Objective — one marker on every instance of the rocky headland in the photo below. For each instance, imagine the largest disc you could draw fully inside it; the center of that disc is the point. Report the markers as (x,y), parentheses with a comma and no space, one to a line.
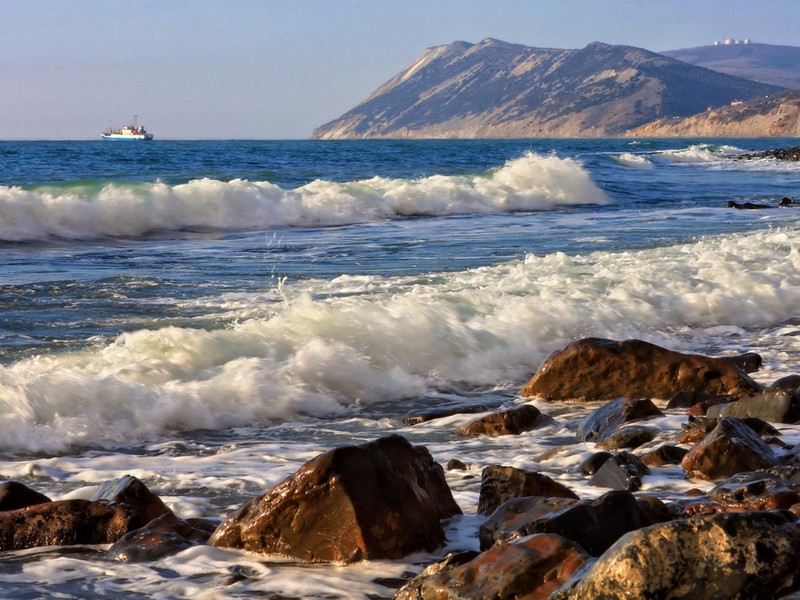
(387,498)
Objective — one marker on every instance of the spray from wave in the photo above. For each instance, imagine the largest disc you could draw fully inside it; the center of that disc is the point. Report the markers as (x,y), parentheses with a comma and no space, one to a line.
(531,182)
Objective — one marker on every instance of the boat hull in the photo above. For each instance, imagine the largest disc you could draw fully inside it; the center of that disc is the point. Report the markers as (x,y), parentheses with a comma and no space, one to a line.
(126,138)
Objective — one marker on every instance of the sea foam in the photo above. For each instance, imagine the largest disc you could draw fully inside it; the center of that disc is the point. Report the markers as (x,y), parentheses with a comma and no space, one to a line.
(530,182)
(324,353)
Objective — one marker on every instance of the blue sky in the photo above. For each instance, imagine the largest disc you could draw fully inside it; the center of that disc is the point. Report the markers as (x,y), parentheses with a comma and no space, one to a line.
(264,69)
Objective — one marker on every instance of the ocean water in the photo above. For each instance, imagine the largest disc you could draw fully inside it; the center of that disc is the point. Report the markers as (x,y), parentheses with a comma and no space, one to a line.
(207,316)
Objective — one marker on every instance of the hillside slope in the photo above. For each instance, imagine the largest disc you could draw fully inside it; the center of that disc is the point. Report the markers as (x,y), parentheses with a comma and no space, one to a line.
(496,89)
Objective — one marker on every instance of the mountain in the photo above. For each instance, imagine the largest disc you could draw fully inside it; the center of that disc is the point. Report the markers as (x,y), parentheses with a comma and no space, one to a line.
(778,65)
(777,115)
(497,89)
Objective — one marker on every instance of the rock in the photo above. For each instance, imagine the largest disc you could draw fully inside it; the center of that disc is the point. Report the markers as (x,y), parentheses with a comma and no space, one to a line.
(423,415)
(532,569)
(790,382)
(691,398)
(14,495)
(628,437)
(732,447)
(592,464)
(455,465)
(747,205)
(499,484)
(66,522)
(508,422)
(695,429)
(749,362)
(514,514)
(604,421)
(622,471)
(748,555)
(775,406)
(595,369)
(131,491)
(598,524)
(664,455)
(757,490)
(383,499)
(413,589)
(163,536)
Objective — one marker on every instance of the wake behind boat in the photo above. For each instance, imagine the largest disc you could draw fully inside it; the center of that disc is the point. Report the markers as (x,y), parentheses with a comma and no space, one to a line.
(133,132)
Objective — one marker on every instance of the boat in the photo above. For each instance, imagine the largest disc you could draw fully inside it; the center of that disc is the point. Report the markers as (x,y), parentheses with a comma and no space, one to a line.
(133,132)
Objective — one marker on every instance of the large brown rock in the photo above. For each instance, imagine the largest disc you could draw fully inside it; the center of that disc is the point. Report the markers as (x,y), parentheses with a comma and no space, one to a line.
(745,555)
(66,522)
(531,569)
(595,369)
(131,491)
(731,447)
(383,499)
(499,483)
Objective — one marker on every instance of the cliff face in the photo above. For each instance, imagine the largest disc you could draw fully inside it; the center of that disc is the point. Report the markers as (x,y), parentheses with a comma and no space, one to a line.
(496,89)
(775,116)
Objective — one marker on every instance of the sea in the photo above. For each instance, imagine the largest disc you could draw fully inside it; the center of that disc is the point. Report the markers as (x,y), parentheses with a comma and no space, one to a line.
(207,316)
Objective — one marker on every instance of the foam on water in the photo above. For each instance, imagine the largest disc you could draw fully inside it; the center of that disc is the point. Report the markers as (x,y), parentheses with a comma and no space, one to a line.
(634,161)
(71,211)
(335,346)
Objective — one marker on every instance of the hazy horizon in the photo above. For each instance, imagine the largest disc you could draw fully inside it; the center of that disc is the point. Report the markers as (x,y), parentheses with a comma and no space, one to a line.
(200,69)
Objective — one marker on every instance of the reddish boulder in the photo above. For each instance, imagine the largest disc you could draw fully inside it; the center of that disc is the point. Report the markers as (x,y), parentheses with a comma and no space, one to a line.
(14,495)
(597,369)
(508,422)
(499,484)
(531,569)
(514,514)
(66,522)
(732,447)
(131,491)
(383,499)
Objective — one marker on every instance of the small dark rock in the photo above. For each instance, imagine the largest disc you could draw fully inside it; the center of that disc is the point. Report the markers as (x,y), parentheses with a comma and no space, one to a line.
(623,471)
(604,421)
(628,437)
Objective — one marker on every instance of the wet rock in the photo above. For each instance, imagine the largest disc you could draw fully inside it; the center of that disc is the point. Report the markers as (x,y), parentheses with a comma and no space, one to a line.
(598,524)
(695,429)
(749,362)
(622,471)
(14,495)
(508,422)
(747,205)
(66,522)
(731,447)
(383,499)
(161,537)
(131,491)
(455,465)
(531,569)
(628,437)
(759,490)
(423,415)
(413,589)
(775,406)
(499,484)
(690,399)
(664,455)
(746,555)
(597,369)
(790,382)
(590,465)
(604,421)
(515,514)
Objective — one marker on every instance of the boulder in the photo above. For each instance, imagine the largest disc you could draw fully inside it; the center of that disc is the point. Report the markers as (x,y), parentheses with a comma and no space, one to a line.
(66,522)
(628,437)
(131,491)
(14,495)
(508,422)
(604,421)
(746,555)
(749,362)
(499,484)
(758,490)
(595,369)
(515,514)
(530,569)
(163,536)
(598,524)
(790,382)
(623,471)
(732,447)
(382,499)
(666,454)
(413,589)
(591,464)
(774,406)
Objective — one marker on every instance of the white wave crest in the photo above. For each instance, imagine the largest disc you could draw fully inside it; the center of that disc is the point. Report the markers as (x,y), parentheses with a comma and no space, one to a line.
(634,161)
(327,353)
(700,153)
(531,182)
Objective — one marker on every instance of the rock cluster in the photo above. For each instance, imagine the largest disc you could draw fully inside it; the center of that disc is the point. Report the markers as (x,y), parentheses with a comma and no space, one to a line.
(387,499)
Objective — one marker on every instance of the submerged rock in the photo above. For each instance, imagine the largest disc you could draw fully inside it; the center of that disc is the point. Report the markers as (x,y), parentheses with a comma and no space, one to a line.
(383,499)
(595,369)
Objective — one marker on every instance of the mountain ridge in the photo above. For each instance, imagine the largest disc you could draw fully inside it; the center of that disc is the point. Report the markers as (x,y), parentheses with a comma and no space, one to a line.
(498,89)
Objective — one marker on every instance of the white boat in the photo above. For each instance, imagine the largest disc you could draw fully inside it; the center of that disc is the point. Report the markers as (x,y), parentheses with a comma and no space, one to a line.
(133,132)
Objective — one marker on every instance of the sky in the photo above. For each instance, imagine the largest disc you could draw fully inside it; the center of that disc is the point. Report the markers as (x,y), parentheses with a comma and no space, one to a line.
(276,69)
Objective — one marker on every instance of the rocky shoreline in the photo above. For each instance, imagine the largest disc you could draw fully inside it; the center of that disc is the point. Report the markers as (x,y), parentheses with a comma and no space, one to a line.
(387,498)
